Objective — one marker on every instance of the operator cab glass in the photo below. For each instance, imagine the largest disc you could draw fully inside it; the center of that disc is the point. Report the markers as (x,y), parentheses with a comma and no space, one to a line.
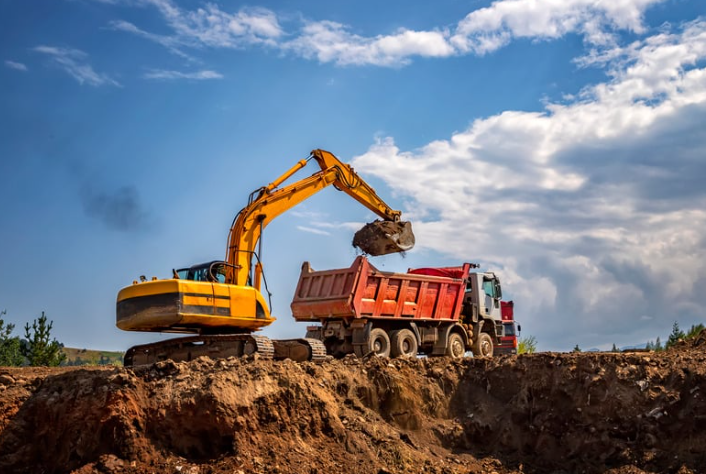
(211,271)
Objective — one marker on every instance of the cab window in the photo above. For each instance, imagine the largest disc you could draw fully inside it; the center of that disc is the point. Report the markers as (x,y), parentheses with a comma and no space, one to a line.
(200,274)
(219,273)
(489,288)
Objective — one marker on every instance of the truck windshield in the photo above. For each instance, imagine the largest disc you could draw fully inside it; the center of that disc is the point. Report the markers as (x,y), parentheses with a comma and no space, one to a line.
(509,329)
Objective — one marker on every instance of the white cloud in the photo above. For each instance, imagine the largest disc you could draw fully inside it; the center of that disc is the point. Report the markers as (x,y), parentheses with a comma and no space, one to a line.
(313,230)
(480,32)
(209,26)
(173,75)
(15,65)
(72,61)
(488,29)
(328,41)
(171,43)
(595,208)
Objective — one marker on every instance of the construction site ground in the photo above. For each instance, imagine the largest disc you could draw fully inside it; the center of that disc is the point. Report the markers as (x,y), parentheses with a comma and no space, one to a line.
(541,413)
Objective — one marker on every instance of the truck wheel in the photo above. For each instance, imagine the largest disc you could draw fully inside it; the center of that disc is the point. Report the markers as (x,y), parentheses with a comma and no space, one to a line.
(379,342)
(455,346)
(483,347)
(403,343)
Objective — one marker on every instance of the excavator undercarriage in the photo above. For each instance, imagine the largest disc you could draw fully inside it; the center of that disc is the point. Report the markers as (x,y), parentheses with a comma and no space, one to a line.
(220,346)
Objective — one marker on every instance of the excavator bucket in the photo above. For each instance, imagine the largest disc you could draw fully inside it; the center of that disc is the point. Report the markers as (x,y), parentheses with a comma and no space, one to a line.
(384,237)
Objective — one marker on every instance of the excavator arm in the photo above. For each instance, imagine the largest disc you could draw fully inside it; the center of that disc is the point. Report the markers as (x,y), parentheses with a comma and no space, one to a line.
(268,202)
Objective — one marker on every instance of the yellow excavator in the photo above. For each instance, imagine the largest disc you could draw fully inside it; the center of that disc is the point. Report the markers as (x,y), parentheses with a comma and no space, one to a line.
(221,301)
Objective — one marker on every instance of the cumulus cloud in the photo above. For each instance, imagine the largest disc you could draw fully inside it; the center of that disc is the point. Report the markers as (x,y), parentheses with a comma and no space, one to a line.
(16,66)
(595,209)
(73,62)
(173,75)
(488,29)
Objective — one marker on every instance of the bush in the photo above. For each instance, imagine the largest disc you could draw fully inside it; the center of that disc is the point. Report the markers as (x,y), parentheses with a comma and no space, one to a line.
(527,345)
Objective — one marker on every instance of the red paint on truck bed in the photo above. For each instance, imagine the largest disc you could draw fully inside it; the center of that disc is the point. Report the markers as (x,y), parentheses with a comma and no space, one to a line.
(363,291)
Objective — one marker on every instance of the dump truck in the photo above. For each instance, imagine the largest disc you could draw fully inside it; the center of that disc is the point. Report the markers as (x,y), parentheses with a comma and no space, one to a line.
(434,311)
(221,302)
(508,341)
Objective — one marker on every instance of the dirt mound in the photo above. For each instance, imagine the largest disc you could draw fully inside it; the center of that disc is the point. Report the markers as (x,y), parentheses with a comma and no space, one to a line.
(384,237)
(618,413)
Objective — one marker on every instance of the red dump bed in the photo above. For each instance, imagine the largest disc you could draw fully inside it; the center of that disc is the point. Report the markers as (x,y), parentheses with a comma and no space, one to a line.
(362,291)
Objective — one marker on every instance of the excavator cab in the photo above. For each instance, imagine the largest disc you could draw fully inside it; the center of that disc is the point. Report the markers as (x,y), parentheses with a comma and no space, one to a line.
(214,271)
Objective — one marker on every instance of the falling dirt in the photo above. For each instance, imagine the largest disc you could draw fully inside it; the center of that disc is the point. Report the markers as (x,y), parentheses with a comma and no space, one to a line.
(384,237)
(541,413)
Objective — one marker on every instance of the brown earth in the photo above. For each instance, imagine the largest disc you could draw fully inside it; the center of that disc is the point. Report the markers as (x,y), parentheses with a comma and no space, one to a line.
(547,412)
(384,237)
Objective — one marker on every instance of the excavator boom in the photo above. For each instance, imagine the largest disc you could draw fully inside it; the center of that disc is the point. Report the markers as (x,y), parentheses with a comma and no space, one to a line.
(271,201)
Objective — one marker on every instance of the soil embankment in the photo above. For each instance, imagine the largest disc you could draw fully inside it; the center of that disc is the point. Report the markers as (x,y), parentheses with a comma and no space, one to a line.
(548,412)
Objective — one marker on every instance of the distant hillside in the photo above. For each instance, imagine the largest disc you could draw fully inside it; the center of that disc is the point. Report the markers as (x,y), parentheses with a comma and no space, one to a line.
(92,357)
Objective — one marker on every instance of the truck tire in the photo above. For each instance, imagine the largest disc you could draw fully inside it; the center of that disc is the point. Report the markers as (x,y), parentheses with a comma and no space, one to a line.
(483,346)
(379,342)
(403,343)
(455,347)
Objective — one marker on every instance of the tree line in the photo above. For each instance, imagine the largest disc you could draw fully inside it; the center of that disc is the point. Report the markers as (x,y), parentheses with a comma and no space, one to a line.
(37,348)
(528,345)
(675,336)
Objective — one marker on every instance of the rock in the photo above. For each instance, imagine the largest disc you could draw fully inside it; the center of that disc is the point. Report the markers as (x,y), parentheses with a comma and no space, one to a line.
(6,379)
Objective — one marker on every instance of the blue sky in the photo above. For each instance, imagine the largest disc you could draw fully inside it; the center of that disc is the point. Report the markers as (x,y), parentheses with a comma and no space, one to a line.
(559,144)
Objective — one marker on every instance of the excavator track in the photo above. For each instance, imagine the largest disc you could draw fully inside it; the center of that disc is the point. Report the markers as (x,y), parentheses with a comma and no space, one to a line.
(191,347)
(318,350)
(300,350)
(228,345)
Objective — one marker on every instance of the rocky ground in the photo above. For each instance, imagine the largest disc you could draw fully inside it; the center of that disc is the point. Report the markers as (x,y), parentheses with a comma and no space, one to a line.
(547,412)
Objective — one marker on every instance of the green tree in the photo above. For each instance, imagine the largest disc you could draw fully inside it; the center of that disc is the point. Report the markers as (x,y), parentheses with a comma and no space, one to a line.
(10,354)
(615,348)
(576,348)
(694,330)
(674,336)
(39,349)
(527,345)
(658,345)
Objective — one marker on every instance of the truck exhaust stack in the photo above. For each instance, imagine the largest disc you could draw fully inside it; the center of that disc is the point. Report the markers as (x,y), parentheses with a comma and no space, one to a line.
(384,237)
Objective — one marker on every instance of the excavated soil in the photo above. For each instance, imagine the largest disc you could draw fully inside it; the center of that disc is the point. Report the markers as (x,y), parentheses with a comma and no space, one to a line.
(548,412)
(384,237)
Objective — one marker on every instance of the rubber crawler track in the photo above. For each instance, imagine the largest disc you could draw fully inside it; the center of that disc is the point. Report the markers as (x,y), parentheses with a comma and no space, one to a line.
(215,346)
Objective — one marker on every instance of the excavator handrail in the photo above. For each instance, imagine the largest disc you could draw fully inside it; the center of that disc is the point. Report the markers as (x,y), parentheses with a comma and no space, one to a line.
(268,202)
